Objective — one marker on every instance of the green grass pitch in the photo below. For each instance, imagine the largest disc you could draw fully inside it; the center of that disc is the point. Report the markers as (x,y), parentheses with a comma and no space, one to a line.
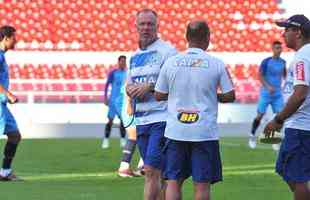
(78,169)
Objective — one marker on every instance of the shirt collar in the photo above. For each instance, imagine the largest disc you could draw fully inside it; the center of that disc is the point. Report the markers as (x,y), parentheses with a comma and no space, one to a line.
(195,50)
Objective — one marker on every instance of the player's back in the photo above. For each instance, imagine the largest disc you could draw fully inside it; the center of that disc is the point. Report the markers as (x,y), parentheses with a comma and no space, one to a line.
(193,79)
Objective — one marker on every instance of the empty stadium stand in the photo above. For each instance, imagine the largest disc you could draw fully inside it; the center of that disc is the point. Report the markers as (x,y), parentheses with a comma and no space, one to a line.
(58,83)
(106,25)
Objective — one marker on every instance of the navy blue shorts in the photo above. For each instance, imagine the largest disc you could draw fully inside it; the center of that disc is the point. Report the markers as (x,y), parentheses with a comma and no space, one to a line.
(201,160)
(150,141)
(293,162)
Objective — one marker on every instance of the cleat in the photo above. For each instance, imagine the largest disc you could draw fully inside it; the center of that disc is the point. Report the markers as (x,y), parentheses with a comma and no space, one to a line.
(126,173)
(105,144)
(10,177)
(252,142)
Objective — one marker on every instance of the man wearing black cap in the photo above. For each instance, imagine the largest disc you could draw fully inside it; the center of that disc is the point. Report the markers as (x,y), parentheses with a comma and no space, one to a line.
(293,162)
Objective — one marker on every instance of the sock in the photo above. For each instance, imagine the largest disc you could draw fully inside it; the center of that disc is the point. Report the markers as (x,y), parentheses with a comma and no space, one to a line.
(140,164)
(255,125)
(128,151)
(124,165)
(9,153)
(122,130)
(108,130)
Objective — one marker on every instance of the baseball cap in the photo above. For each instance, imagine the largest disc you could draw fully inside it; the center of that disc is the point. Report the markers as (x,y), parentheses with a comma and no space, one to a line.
(294,21)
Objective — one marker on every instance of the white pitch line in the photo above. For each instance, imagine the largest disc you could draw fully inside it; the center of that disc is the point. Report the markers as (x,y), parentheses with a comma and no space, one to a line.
(242,170)
(66,175)
(241,145)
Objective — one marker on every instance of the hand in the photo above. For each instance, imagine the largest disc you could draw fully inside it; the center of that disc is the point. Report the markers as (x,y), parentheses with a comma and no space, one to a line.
(11,98)
(138,90)
(271,89)
(271,128)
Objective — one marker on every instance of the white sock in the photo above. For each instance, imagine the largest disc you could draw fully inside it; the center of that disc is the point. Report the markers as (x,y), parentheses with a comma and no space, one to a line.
(124,165)
(5,172)
(140,164)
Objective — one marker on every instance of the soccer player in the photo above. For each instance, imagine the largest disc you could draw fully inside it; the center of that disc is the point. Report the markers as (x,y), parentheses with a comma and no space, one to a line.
(190,81)
(7,121)
(293,162)
(150,115)
(116,79)
(271,72)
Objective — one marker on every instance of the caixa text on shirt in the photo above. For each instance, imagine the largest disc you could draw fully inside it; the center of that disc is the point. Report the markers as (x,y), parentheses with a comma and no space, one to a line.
(150,78)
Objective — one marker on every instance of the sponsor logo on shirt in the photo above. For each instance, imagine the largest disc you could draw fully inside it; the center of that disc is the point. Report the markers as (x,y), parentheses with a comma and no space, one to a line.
(300,71)
(191,62)
(187,117)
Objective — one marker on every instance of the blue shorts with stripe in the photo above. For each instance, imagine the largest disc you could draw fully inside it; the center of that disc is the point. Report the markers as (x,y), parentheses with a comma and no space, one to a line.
(201,160)
(293,162)
(150,141)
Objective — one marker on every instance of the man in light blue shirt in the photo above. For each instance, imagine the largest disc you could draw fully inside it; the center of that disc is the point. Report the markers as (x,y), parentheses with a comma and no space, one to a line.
(190,82)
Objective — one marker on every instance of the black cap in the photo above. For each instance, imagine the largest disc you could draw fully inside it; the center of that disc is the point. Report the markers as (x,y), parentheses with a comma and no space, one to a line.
(294,21)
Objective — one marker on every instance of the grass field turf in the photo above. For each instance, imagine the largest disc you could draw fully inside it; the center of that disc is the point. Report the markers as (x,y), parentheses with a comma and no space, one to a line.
(78,169)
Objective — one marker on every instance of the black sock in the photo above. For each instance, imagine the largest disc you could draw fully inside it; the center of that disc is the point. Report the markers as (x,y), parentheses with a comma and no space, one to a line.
(122,130)
(129,150)
(108,130)
(9,153)
(255,125)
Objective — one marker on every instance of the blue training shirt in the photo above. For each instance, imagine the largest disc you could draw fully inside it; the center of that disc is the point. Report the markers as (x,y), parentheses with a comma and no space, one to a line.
(272,70)
(117,79)
(4,71)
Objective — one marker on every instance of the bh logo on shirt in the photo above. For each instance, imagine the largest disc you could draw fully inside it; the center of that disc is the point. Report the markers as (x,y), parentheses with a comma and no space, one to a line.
(187,117)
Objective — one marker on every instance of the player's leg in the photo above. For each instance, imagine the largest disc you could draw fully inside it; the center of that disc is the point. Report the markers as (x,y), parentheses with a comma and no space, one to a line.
(301,191)
(152,158)
(277,105)
(107,133)
(261,110)
(202,191)
(177,167)
(206,167)
(262,106)
(122,131)
(108,126)
(14,137)
(128,151)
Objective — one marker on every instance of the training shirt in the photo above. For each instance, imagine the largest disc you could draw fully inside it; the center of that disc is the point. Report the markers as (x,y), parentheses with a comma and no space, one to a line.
(117,80)
(4,71)
(144,68)
(299,74)
(272,71)
(191,80)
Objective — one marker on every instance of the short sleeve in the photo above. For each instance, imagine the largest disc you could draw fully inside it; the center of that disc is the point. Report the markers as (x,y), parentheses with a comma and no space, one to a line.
(301,72)
(226,84)
(263,66)
(162,84)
